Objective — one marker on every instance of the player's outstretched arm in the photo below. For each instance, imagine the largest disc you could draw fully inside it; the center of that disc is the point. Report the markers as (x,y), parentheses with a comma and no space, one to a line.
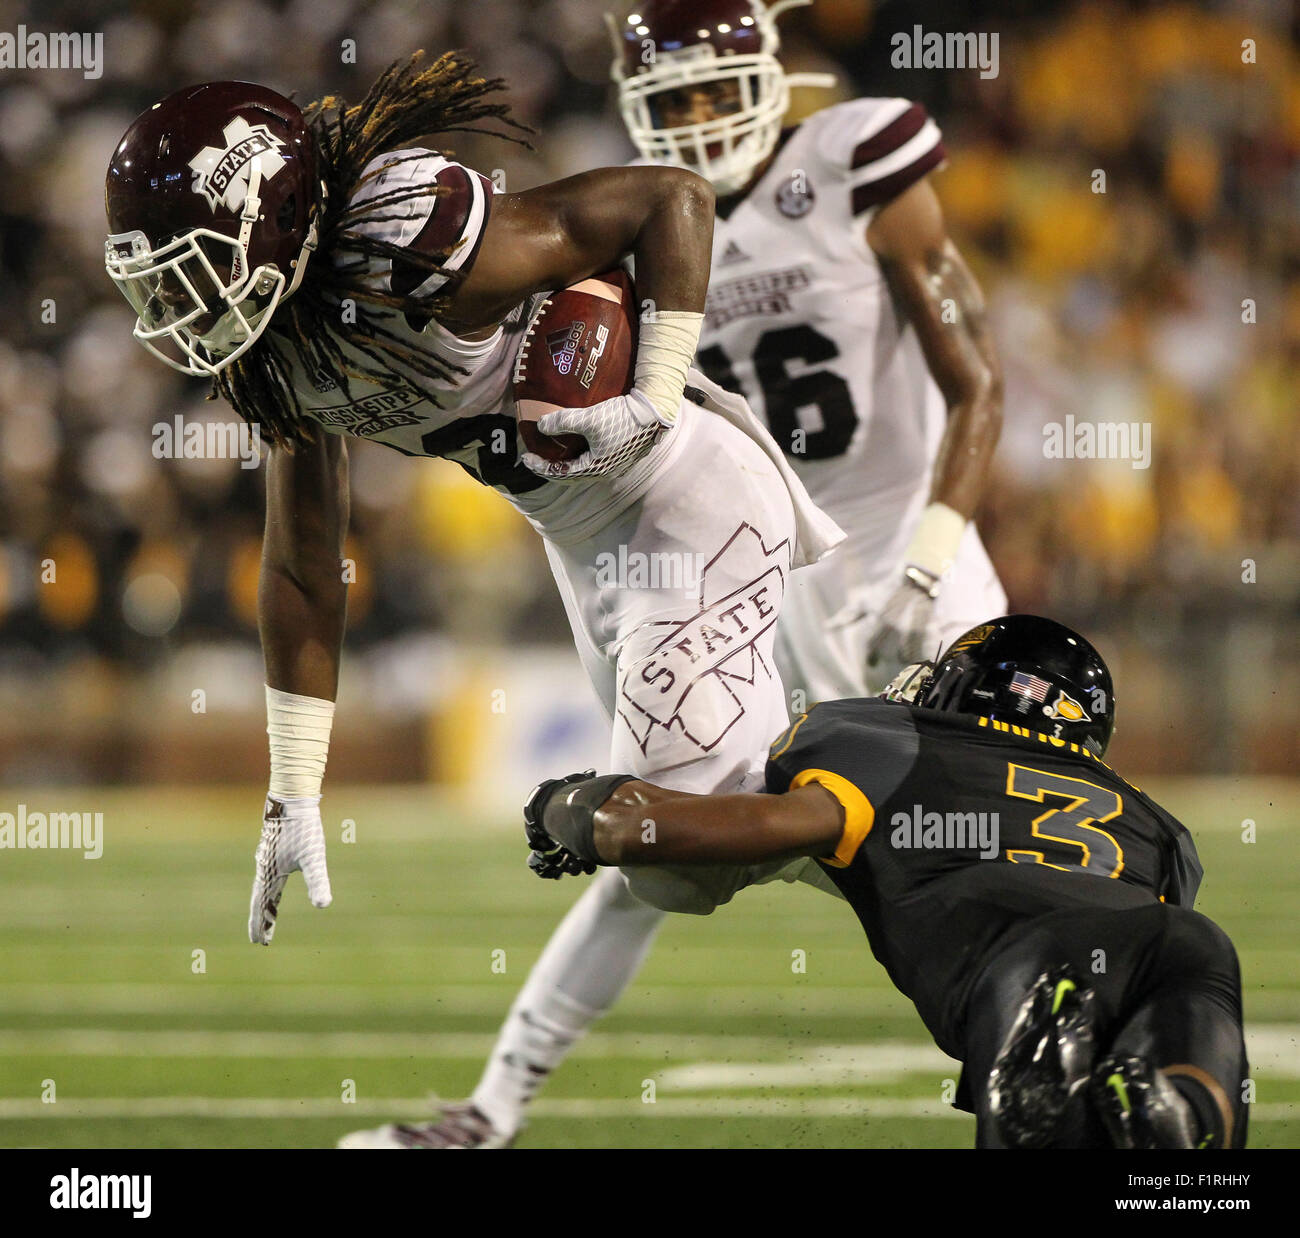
(302,597)
(554,236)
(621,821)
(302,607)
(935,289)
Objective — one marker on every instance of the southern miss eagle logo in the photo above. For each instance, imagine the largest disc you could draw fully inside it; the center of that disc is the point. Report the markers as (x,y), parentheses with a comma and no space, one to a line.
(221,173)
(1066,708)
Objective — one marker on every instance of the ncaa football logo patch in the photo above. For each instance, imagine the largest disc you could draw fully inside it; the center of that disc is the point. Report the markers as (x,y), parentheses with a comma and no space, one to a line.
(221,174)
(794,196)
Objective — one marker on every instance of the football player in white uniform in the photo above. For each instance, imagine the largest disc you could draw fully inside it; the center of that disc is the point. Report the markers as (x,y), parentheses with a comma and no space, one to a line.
(333,280)
(841,309)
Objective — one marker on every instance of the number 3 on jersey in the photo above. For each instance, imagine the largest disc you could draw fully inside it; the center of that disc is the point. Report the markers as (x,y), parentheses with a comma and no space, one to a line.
(1071,825)
(784,395)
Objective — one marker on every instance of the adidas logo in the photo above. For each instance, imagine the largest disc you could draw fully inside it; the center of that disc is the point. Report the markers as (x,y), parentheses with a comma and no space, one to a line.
(563,345)
(733,253)
(556,341)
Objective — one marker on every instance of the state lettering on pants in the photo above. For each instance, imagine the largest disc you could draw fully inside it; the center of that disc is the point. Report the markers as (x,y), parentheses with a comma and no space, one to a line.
(694,679)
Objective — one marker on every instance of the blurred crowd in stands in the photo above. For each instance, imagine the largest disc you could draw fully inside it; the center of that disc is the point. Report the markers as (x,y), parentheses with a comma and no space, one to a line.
(1170,299)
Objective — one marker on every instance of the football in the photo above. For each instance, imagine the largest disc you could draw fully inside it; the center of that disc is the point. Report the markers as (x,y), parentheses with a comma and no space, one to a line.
(580,349)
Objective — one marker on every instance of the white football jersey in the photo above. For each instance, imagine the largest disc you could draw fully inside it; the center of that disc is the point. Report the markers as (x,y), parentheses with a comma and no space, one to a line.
(800,320)
(469,418)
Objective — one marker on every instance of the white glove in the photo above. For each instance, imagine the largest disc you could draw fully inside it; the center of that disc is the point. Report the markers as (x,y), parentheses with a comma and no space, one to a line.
(293,839)
(618,433)
(899,637)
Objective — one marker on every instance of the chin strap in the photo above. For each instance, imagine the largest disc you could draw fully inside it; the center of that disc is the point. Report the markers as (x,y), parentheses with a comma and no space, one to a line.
(250,214)
(247,218)
(299,264)
(235,326)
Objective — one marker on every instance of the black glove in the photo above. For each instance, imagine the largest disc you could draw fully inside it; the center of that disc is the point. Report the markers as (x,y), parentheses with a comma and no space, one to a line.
(558,862)
(559,820)
(548,858)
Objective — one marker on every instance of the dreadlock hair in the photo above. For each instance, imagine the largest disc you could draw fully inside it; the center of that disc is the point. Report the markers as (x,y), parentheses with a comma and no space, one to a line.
(408,100)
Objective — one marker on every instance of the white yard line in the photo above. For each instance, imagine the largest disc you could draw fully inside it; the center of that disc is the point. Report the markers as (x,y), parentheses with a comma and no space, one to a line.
(492,999)
(405,1109)
(719,1061)
(102,1042)
(394,1109)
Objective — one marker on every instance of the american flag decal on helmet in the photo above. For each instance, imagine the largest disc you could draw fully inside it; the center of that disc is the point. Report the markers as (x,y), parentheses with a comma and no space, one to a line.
(1030,685)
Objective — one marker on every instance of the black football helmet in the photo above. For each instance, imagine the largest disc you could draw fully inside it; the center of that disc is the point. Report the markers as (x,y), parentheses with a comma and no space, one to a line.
(1024,670)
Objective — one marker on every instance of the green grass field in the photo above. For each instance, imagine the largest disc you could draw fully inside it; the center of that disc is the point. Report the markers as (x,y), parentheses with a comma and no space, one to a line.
(397,988)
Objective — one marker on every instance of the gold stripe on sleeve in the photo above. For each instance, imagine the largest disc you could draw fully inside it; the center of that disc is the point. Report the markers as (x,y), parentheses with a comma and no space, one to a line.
(859,815)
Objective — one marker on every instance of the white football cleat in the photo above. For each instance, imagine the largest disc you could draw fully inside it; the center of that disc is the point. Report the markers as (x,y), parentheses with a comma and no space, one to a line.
(461,1125)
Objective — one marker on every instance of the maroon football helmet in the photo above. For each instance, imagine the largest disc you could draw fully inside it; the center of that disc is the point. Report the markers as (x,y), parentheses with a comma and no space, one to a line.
(213,199)
(667,46)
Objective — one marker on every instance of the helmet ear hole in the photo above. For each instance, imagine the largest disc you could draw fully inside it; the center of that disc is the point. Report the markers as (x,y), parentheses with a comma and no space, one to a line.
(287,216)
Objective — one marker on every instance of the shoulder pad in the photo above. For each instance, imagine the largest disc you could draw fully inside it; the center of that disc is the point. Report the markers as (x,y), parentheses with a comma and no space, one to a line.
(882,146)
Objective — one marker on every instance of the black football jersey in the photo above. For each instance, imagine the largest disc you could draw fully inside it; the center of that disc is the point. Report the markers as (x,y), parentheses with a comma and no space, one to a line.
(959,828)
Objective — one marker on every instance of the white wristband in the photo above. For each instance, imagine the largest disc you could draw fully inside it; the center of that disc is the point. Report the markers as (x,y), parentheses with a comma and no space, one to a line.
(934,544)
(298,728)
(665,348)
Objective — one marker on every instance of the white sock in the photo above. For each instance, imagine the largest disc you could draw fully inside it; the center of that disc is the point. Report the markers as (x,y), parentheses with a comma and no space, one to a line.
(590,959)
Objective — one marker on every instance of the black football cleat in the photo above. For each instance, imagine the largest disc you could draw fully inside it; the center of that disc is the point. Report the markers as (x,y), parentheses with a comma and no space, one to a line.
(1140,1108)
(1038,1086)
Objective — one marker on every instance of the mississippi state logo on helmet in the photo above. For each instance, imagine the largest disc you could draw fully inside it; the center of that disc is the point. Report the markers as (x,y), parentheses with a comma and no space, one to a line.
(667,47)
(221,173)
(1020,669)
(213,199)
